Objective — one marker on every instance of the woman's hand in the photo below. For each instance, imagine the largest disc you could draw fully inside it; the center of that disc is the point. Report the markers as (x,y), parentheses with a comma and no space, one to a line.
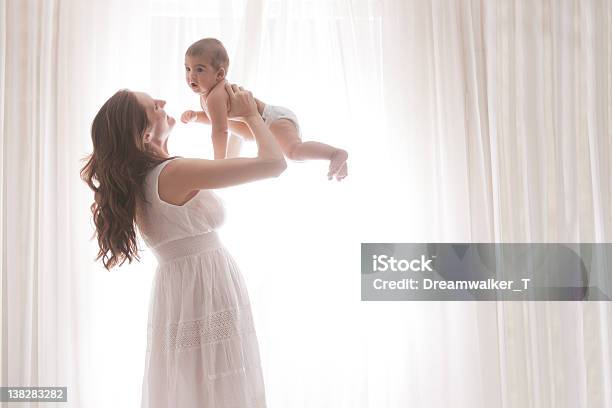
(241,102)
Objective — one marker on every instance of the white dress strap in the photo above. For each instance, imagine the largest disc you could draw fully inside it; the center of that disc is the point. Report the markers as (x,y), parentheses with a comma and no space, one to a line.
(155,183)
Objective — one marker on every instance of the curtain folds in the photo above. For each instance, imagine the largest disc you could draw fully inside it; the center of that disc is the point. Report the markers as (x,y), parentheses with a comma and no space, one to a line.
(471,121)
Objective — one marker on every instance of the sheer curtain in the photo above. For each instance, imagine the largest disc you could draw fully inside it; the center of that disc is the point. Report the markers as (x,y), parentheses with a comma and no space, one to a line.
(42,279)
(507,136)
(65,322)
(465,121)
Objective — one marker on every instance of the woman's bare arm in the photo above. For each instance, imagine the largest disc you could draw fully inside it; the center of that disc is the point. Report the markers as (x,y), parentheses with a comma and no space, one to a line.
(184,175)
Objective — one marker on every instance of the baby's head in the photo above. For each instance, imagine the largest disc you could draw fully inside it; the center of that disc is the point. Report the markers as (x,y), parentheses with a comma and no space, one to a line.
(206,63)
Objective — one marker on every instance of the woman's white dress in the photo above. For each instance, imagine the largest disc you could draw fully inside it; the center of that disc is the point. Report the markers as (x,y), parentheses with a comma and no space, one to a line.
(202,350)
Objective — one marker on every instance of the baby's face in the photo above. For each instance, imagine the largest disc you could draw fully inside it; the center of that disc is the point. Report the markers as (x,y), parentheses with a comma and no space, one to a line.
(201,77)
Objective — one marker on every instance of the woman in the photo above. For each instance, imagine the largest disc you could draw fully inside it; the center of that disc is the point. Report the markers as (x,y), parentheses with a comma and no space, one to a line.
(202,349)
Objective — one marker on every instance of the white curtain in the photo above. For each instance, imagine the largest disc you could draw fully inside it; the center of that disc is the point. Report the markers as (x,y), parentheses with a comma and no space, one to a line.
(43,221)
(60,323)
(470,121)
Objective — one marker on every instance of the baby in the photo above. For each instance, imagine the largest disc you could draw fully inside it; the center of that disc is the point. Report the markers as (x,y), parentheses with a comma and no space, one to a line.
(206,65)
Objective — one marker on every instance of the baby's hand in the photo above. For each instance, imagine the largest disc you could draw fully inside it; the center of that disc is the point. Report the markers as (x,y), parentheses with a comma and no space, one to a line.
(188,116)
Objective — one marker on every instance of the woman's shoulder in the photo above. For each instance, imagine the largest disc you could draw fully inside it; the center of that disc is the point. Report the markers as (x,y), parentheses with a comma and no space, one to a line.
(165,162)
(156,174)
(159,167)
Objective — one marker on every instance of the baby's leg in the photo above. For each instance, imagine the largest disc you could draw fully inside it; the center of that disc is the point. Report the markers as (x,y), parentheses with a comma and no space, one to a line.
(294,149)
(234,145)
(241,129)
(342,173)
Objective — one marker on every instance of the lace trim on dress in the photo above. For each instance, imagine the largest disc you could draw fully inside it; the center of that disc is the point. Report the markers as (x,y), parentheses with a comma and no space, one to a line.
(216,327)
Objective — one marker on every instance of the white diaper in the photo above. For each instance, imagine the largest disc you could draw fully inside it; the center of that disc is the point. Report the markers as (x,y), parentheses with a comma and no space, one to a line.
(273,113)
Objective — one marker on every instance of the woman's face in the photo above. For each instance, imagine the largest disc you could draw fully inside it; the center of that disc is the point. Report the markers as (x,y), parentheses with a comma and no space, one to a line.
(160,123)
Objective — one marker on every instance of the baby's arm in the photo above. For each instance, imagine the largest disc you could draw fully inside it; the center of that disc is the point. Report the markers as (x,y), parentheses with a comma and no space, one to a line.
(218,103)
(202,117)
(235,126)
(195,116)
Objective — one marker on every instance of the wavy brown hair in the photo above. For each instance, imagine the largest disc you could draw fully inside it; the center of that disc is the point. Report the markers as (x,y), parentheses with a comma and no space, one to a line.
(115,171)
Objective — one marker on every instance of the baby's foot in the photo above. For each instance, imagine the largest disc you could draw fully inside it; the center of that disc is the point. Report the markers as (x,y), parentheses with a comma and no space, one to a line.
(342,173)
(336,161)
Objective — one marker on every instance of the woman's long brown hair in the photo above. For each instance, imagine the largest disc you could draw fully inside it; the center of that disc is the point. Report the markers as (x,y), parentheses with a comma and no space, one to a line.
(118,165)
